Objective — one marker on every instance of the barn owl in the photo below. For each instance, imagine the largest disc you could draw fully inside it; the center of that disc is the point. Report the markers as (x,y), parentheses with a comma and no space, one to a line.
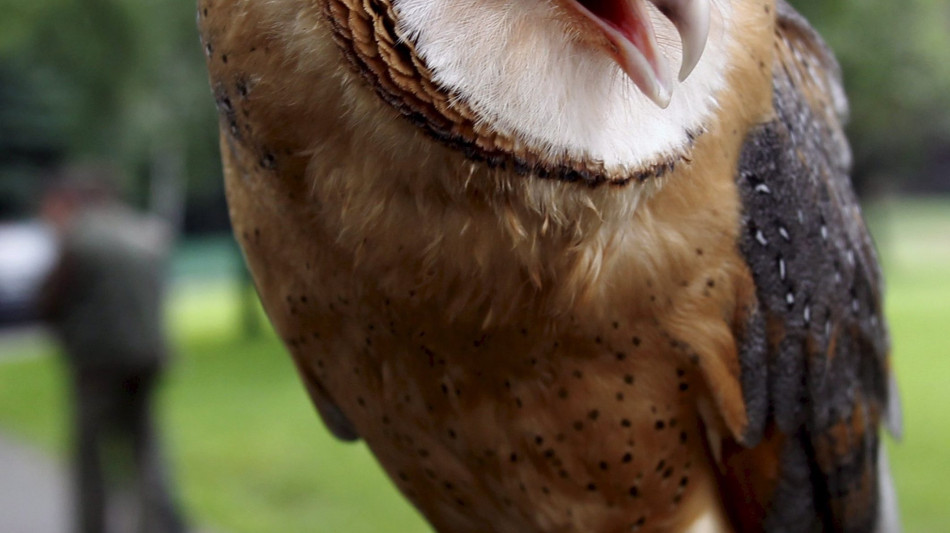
(566,265)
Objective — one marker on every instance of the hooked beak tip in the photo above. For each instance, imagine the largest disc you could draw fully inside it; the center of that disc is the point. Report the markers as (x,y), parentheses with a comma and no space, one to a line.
(627,25)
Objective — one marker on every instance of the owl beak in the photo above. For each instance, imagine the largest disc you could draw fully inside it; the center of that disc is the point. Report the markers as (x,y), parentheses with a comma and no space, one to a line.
(691,19)
(627,26)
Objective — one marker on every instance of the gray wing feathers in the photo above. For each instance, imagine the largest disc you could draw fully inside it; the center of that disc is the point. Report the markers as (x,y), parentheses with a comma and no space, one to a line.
(826,379)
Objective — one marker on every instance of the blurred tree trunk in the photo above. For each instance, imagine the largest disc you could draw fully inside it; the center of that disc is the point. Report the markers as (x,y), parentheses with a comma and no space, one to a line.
(247,299)
(166,196)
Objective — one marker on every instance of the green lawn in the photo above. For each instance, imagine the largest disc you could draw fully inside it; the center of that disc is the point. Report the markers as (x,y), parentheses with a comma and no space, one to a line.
(915,241)
(252,457)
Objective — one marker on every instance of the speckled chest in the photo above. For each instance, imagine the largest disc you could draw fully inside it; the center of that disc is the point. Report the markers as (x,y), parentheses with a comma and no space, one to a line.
(535,423)
(594,429)
(572,422)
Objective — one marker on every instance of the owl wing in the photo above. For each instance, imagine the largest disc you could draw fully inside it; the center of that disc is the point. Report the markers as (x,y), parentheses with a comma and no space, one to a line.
(813,345)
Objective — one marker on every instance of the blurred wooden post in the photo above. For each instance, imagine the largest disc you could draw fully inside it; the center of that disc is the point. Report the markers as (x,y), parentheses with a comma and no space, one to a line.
(166,195)
(247,299)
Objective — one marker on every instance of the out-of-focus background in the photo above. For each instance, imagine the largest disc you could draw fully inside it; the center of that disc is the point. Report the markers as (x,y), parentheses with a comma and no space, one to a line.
(124,83)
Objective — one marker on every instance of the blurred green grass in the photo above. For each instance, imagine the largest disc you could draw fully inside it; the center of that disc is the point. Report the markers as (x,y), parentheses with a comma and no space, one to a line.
(252,457)
(249,451)
(914,239)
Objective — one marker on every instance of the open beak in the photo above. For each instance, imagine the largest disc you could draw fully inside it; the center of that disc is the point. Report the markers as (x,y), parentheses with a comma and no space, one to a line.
(626,25)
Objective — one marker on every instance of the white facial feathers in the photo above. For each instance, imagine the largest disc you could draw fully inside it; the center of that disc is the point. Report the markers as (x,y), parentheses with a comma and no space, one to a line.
(522,68)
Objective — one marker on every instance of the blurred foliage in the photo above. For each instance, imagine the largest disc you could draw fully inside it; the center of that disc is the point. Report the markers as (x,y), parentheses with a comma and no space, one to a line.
(125,81)
(107,79)
(31,136)
(894,57)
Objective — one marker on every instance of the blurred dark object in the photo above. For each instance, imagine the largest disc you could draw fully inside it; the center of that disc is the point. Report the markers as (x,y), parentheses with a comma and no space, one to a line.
(27,252)
(105,301)
(207,214)
(936,175)
(32,131)
(31,137)
(248,301)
